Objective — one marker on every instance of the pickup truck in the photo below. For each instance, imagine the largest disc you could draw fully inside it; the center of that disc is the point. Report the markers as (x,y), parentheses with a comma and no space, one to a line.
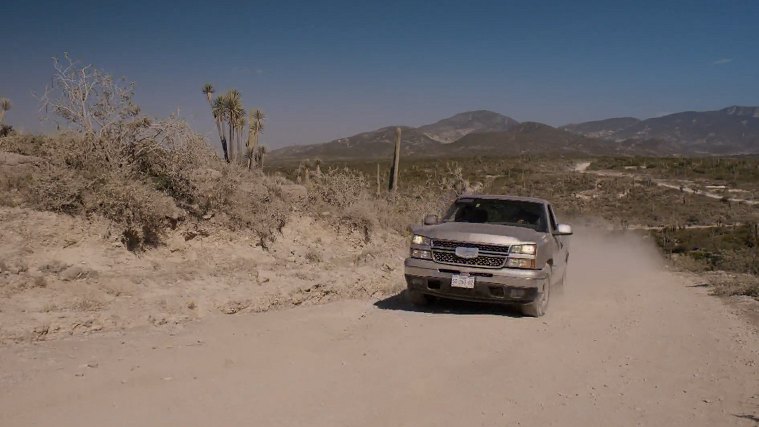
(489,248)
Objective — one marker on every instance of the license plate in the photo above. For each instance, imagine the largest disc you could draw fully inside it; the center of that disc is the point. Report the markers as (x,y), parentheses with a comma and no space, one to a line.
(462,281)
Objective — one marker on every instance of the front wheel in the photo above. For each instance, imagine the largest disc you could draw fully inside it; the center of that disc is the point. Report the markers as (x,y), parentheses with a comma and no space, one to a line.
(538,307)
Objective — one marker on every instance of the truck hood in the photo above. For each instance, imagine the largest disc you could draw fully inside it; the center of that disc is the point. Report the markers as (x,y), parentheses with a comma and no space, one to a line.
(480,233)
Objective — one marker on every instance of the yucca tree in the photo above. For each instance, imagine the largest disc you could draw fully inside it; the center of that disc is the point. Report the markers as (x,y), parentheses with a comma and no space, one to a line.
(239,133)
(208,90)
(233,113)
(5,105)
(256,126)
(219,110)
(259,156)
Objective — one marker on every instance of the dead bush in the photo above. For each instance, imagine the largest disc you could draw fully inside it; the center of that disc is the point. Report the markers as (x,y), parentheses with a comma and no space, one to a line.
(143,174)
(338,188)
(143,213)
(355,207)
(359,218)
(59,189)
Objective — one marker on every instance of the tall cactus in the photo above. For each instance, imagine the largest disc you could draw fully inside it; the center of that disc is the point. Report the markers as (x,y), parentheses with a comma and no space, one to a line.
(396,161)
(5,105)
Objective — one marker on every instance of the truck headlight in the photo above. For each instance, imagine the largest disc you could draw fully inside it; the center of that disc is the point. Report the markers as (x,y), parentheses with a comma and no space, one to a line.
(421,240)
(520,263)
(421,254)
(524,249)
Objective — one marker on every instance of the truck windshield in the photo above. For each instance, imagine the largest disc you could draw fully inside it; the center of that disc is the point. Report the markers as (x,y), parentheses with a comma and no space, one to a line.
(502,212)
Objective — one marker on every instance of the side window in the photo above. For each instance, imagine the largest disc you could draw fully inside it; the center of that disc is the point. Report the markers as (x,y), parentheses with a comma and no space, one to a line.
(552,218)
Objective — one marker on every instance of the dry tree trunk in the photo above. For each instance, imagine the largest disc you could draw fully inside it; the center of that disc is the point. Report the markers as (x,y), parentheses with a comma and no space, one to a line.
(231,142)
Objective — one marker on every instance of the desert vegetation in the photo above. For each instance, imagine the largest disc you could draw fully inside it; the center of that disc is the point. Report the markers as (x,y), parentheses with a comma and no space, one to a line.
(5,106)
(116,184)
(147,175)
(229,116)
(733,176)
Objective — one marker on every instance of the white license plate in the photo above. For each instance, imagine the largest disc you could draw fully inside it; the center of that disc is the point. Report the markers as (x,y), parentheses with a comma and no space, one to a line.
(462,281)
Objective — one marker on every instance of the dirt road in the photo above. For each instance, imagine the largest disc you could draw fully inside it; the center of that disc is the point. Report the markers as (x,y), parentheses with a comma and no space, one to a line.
(582,167)
(628,344)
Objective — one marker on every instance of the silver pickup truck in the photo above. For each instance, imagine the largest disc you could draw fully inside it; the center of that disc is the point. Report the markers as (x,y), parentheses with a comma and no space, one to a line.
(489,248)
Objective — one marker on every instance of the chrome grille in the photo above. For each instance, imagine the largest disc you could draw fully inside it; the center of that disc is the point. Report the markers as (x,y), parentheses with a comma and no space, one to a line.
(486,261)
(448,244)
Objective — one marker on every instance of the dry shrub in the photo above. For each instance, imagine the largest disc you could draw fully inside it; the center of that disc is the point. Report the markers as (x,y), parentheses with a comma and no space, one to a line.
(727,284)
(144,174)
(338,188)
(359,218)
(58,189)
(257,206)
(144,213)
(162,174)
(355,207)
(344,194)
(400,212)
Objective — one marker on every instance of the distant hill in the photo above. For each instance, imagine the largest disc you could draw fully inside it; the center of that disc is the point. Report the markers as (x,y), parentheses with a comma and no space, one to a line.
(528,137)
(422,141)
(368,145)
(732,130)
(453,128)
(602,128)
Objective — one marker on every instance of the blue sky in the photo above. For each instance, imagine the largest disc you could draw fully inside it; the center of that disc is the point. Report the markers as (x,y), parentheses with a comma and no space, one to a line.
(322,70)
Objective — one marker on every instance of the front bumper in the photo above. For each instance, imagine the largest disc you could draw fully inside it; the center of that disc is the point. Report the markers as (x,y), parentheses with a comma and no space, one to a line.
(506,285)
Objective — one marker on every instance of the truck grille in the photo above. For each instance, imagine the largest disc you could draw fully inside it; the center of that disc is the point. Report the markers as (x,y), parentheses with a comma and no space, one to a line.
(486,261)
(448,244)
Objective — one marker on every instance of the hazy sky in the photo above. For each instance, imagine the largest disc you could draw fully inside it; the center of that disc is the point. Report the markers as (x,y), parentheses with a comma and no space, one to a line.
(322,70)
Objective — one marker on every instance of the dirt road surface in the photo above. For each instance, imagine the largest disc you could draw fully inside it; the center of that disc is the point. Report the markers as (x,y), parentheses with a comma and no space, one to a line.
(628,343)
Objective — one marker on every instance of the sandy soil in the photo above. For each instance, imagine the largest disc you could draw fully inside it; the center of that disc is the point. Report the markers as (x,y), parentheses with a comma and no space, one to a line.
(62,276)
(628,343)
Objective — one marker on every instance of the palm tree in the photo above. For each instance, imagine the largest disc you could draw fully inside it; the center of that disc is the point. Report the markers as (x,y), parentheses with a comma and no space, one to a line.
(5,105)
(219,110)
(256,127)
(208,90)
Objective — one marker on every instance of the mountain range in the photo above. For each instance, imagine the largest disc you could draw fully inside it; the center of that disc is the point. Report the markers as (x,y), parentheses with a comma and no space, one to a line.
(732,130)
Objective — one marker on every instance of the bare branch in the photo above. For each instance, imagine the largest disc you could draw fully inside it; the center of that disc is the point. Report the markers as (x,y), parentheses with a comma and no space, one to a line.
(90,100)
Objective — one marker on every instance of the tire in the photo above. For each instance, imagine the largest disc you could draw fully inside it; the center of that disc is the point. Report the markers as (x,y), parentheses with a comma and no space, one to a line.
(417,298)
(538,307)
(560,288)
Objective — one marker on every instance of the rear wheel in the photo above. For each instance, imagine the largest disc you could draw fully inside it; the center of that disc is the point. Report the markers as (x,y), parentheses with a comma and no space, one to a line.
(417,298)
(538,307)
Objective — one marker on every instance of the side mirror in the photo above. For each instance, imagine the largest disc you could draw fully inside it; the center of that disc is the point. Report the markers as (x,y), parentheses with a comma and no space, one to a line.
(431,219)
(563,230)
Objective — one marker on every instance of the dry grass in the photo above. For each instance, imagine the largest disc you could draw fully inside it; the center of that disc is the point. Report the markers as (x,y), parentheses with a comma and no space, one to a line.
(167,176)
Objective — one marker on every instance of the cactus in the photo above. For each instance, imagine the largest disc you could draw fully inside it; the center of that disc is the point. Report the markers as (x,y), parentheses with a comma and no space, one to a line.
(396,161)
